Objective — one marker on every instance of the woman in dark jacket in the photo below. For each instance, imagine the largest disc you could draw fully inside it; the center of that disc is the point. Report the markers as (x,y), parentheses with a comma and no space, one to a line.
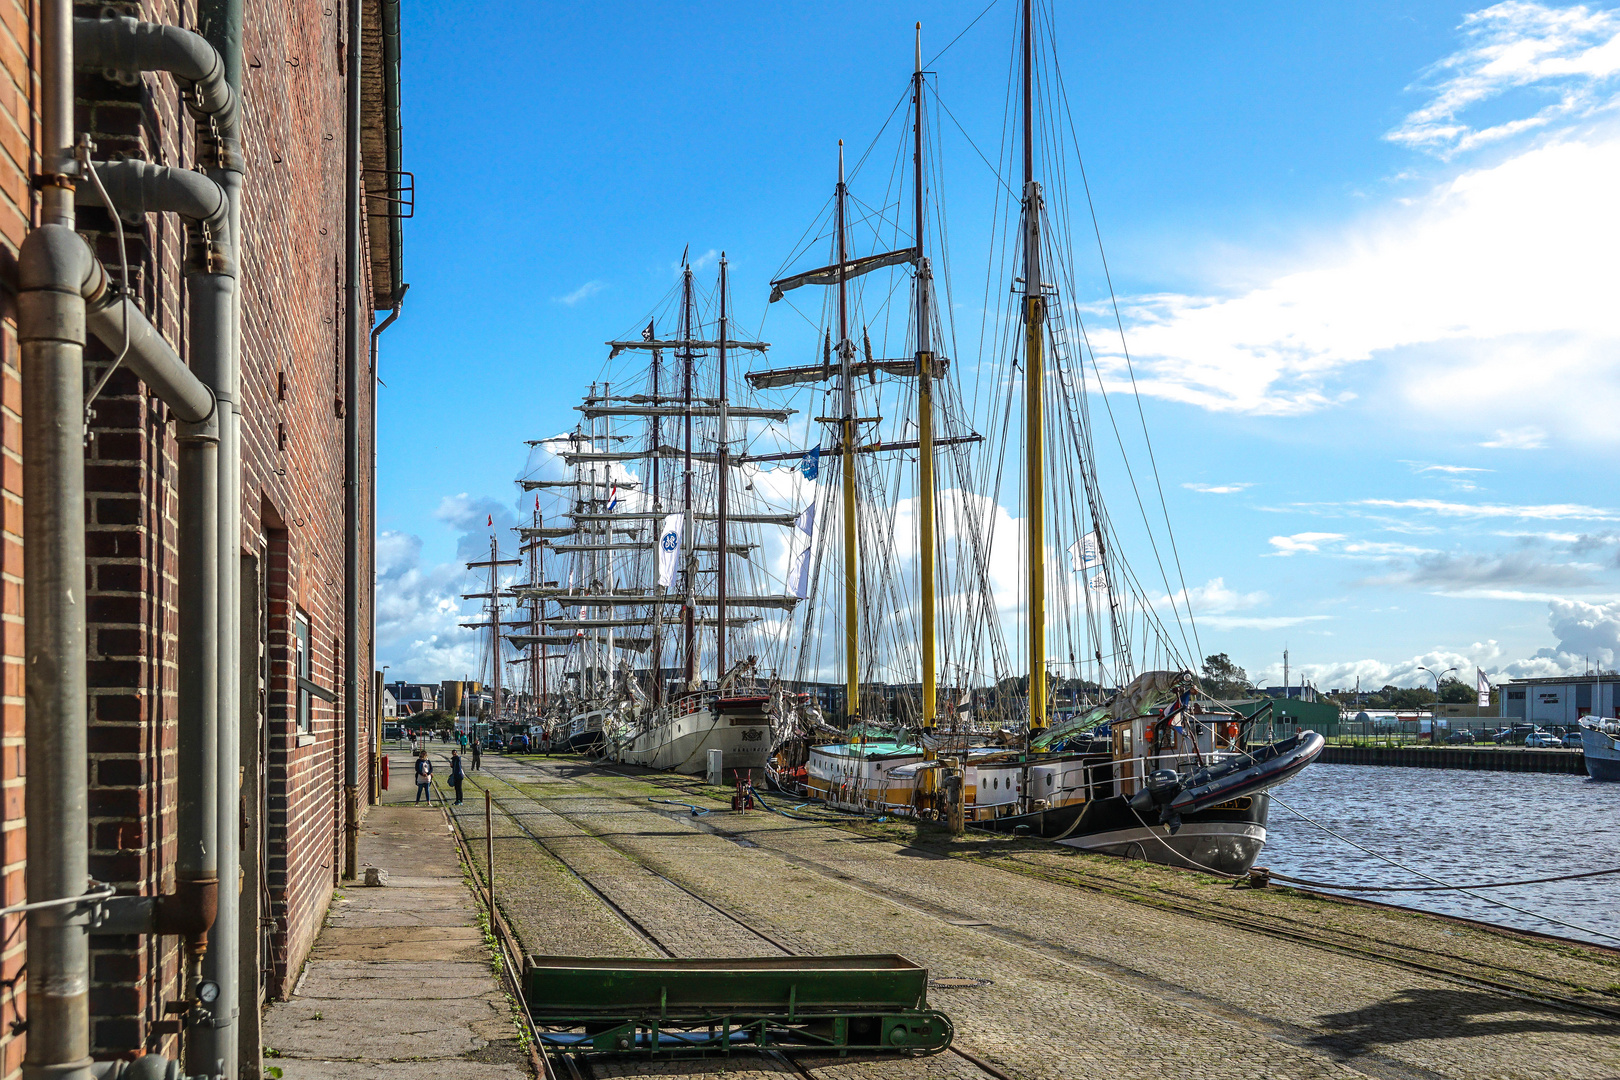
(456,775)
(424,777)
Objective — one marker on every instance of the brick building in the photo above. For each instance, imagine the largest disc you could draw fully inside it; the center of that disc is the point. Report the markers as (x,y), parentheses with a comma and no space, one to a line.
(296,527)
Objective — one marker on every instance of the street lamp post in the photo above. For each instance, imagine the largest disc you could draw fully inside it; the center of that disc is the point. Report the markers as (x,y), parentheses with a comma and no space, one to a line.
(1434,713)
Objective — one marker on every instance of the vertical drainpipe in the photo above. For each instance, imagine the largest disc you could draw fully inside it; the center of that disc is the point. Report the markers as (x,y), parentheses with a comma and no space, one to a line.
(51,333)
(215,1046)
(351,456)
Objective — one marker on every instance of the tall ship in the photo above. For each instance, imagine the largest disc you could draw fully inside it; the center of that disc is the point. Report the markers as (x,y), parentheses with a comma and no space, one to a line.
(660,605)
(1059,700)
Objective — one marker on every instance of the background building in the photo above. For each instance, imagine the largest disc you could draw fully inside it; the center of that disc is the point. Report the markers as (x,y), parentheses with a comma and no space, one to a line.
(1561,700)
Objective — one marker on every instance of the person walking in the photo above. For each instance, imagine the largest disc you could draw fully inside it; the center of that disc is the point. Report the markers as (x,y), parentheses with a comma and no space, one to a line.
(424,777)
(456,775)
(478,757)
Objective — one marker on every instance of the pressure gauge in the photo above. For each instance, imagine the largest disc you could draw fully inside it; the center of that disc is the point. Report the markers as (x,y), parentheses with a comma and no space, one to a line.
(208,992)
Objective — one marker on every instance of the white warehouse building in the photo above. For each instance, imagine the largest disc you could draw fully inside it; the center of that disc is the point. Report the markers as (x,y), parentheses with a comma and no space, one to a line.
(1562,700)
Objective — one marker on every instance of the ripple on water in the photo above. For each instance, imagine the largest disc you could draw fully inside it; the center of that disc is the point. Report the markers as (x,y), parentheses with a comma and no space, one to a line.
(1459,826)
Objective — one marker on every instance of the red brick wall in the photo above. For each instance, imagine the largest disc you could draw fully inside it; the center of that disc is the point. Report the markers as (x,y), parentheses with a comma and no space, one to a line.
(293,434)
(17,163)
(292,494)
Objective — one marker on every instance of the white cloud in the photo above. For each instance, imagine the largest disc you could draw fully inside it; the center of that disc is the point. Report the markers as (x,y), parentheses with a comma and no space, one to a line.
(1375,674)
(1545,512)
(584,292)
(1494,284)
(418,608)
(1520,438)
(1218,489)
(1449,470)
(1570,55)
(1305,541)
(1257,622)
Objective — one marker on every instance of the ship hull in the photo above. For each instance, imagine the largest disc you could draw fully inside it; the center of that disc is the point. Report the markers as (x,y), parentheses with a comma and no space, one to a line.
(1602,754)
(1226,838)
(679,738)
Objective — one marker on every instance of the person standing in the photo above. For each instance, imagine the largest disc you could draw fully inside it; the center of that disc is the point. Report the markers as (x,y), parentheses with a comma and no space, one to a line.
(456,775)
(424,777)
(477,756)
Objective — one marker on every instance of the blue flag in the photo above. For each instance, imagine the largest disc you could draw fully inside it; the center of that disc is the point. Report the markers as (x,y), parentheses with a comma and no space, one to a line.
(810,464)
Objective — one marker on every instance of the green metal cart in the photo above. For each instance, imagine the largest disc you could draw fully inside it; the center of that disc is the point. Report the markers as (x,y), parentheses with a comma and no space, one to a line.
(831,1003)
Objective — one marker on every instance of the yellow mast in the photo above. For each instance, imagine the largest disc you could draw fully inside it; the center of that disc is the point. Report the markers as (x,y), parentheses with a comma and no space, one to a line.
(852,687)
(1034,383)
(925,418)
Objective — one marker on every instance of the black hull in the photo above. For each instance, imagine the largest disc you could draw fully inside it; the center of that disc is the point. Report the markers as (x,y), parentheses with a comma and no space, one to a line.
(1225,838)
(586,742)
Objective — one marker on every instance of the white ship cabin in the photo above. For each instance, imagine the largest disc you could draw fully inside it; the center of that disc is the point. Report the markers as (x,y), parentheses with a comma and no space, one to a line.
(857,775)
(1146,744)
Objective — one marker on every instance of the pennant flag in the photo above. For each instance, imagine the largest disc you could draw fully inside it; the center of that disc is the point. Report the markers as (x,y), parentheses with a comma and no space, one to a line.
(1483,684)
(669,548)
(613,498)
(805,526)
(1085,553)
(492,519)
(810,464)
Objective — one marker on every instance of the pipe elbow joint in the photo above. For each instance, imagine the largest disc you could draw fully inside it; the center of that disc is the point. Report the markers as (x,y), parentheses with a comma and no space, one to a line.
(55,258)
(125,45)
(189,911)
(138,188)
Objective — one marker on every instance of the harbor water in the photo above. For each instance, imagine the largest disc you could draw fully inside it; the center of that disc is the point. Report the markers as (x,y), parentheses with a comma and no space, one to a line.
(1461,827)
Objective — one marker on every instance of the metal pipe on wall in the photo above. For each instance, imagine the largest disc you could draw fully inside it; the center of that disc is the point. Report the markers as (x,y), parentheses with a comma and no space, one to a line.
(50,331)
(371,643)
(351,452)
(210,457)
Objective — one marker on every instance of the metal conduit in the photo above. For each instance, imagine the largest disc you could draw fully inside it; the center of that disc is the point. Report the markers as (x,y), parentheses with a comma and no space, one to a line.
(50,331)
(57,275)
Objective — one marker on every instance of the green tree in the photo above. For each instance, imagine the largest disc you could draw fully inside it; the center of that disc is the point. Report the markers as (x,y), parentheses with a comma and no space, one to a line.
(1457,692)
(1224,679)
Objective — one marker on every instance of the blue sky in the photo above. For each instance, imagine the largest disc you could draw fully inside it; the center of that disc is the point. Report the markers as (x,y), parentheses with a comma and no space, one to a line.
(1364,254)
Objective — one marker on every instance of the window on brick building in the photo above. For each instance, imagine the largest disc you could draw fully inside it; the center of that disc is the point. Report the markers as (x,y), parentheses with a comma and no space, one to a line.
(302,670)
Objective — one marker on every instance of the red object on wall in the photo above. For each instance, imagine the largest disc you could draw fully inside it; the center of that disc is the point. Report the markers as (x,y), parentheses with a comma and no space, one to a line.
(385,772)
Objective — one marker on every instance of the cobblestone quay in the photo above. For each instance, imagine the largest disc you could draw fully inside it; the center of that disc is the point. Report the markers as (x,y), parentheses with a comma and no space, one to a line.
(1056,964)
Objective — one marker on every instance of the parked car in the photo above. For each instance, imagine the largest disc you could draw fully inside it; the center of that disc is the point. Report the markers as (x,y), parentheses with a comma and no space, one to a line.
(1460,737)
(1573,738)
(518,745)
(1543,740)
(1516,734)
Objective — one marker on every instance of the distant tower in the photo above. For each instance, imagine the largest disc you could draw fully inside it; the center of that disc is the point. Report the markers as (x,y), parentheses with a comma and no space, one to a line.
(1285,673)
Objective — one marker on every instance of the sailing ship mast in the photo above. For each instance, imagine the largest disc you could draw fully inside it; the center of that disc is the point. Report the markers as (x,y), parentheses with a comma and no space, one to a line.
(846,349)
(493,623)
(1034,384)
(688,614)
(720,503)
(925,411)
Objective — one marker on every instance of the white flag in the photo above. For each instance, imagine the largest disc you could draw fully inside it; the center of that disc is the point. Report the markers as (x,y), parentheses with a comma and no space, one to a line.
(1484,686)
(1099,583)
(669,548)
(806,526)
(1085,553)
